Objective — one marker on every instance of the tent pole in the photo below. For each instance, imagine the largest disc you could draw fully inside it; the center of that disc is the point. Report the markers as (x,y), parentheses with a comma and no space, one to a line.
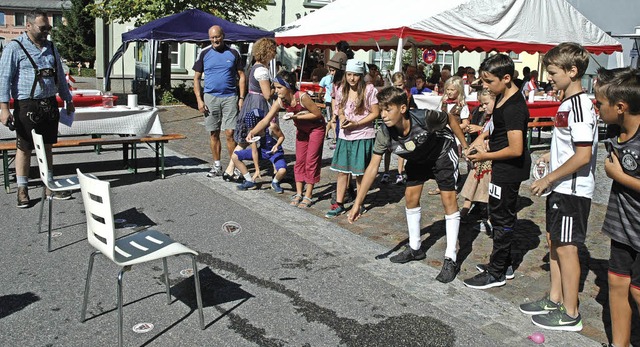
(304,56)
(398,65)
(123,90)
(154,52)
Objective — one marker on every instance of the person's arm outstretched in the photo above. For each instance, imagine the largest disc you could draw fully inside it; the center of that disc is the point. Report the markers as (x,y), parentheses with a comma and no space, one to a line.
(367,179)
(277,133)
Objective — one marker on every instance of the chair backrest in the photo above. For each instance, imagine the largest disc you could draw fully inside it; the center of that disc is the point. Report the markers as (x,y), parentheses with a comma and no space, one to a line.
(101,232)
(41,155)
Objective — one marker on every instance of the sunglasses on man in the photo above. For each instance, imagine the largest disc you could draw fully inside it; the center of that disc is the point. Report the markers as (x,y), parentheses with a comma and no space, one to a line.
(45,27)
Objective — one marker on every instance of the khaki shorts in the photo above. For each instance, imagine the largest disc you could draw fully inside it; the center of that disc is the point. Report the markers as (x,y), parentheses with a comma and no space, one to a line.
(223,112)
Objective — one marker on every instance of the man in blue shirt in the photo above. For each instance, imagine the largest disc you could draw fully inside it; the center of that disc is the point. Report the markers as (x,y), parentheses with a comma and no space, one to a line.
(31,72)
(223,78)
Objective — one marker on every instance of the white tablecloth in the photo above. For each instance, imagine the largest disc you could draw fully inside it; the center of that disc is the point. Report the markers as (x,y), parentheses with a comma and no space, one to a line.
(428,102)
(119,120)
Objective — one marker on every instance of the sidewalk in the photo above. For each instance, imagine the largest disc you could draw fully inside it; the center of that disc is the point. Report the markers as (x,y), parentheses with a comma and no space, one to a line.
(385,224)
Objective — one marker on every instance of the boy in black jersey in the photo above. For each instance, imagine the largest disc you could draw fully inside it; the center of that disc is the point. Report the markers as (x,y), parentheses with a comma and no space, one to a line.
(510,166)
(618,100)
(421,137)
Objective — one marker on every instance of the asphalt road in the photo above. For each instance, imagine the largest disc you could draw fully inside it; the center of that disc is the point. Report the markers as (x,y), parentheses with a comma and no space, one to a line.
(287,278)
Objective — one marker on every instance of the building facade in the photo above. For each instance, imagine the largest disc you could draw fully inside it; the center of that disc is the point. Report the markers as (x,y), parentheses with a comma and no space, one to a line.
(13,15)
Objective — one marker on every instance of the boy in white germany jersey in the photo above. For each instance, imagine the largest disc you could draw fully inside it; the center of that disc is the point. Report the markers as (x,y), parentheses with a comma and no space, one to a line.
(571,178)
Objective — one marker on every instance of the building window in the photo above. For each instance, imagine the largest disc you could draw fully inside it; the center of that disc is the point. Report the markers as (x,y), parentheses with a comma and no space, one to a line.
(174,55)
(445,58)
(2,22)
(388,59)
(316,3)
(57,20)
(514,56)
(21,19)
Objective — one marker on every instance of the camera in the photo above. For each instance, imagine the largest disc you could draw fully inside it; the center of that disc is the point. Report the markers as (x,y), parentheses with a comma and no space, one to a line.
(47,72)
(473,151)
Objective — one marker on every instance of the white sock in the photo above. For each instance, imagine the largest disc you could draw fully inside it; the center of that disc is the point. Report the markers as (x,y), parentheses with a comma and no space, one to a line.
(275,180)
(216,163)
(413,224)
(23,181)
(248,177)
(452,224)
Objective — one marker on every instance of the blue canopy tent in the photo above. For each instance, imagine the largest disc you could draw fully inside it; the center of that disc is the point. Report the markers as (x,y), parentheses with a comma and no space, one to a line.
(188,26)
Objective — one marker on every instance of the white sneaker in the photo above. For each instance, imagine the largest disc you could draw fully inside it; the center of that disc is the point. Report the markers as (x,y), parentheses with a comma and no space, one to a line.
(484,226)
(215,171)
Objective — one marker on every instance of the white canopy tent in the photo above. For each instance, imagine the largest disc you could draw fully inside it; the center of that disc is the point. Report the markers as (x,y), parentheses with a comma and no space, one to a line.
(459,25)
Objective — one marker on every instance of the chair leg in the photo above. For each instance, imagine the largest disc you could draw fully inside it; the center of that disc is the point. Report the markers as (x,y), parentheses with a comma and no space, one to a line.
(44,195)
(119,298)
(83,311)
(50,202)
(196,279)
(166,280)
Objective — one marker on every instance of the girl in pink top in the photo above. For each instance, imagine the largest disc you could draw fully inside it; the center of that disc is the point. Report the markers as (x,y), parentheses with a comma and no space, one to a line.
(357,109)
(310,125)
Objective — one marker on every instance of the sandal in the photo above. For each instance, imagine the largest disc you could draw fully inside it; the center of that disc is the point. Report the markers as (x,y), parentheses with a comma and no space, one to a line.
(296,199)
(434,192)
(305,203)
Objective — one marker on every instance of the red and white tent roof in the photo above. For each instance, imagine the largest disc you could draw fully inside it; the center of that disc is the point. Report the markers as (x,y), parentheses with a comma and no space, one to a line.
(463,25)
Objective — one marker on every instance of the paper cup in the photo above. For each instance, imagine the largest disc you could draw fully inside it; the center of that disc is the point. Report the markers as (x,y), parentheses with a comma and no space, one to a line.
(132,100)
(254,139)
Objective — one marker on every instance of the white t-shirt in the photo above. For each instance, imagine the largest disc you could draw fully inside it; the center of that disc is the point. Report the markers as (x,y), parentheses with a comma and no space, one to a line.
(575,123)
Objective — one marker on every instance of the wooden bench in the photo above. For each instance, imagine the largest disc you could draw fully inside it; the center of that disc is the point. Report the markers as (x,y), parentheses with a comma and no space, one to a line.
(548,122)
(125,141)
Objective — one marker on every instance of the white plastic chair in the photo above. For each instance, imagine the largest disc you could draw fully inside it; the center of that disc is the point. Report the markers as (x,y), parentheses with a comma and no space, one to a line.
(132,249)
(60,185)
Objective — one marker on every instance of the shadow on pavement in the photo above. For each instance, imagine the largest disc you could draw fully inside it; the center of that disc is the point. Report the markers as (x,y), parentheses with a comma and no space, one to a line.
(12,303)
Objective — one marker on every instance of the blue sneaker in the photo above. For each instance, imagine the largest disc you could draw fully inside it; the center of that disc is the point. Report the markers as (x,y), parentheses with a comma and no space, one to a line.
(335,211)
(276,187)
(246,185)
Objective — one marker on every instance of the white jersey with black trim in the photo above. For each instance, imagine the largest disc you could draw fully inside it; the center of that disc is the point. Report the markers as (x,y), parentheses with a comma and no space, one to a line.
(575,123)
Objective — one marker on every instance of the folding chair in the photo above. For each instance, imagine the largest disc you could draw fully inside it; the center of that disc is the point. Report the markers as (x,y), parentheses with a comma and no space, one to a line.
(132,249)
(60,185)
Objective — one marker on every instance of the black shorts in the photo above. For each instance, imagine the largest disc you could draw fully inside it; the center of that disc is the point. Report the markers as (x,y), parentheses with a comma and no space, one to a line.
(503,201)
(567,217)
(624,261)
(27,115)
(444,170)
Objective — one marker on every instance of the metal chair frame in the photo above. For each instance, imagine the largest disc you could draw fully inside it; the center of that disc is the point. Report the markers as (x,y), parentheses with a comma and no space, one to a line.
(127,251)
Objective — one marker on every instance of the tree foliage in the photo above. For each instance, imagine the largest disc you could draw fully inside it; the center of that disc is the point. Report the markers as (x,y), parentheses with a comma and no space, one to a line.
(142,12)
(76,40)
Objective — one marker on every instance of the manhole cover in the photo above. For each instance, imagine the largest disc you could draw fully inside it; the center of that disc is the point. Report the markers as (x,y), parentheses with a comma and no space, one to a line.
(142,328)
(231,228)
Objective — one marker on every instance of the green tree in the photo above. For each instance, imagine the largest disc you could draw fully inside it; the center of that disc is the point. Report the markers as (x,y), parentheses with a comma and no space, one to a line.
(145,11)
(76,39)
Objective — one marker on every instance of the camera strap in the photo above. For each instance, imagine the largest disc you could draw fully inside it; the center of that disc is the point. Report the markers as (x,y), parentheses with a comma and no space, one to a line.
(35,67)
